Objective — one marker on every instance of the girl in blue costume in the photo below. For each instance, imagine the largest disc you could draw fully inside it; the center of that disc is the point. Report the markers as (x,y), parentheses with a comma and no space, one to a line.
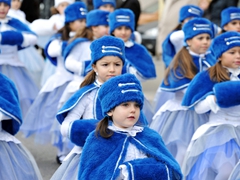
(16,161)
(230,19)
(171,45)
(121,147)
(77,55)
(107,59)
(215,146)
(108,5)
(172,118)
(138,60)
(15,36)
(46,28)
(41,115)
(30,56)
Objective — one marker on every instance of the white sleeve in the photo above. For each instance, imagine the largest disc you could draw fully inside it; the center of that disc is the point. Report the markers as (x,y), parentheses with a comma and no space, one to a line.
(177,39)
(75,114)
(74,61)
(29,39)
(55,48)
(206,105)
(42,27)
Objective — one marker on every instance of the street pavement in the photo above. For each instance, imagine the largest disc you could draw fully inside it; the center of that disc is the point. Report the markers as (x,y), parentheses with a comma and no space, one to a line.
(45,155)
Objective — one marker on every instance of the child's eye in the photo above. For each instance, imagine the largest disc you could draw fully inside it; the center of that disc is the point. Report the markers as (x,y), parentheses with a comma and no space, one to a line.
(137,105)
(118,64)
(124,104)
(104,64)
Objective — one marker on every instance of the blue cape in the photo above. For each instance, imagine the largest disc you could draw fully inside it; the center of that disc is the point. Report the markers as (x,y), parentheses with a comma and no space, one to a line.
(176,84)
(101,157)
(139,57)
(73,101)
(9,105)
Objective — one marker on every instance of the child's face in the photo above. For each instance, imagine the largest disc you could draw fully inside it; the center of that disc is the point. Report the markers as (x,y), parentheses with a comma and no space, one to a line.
(108,67)
(231,58)
(99,31)
(4,8)
(122,32)
(199,44)
(61,7)
(77,25)
(16,4)
(125,115)
(107,7)
(232,26)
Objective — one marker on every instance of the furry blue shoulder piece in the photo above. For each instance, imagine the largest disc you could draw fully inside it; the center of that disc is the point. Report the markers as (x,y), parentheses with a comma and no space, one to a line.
(11,38)
(9,105)
(73,101)
(98,153)
(168,51)
(200,87)
(80,129)
(138,57)
(227,93)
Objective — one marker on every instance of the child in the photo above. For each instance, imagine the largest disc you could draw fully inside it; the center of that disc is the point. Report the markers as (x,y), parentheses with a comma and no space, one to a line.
(175,40)
(30,56)
(99,27)
(41,115)
(215,148)
(15,36)
(107,59)
(16,161)
(172,118)
(120,148)
(45,28)
(230,19)
(108,5)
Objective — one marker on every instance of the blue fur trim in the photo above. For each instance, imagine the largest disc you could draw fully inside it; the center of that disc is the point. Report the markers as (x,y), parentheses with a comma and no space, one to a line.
(99,152)
(227,93)
(224,42)
(75,11)
(121,17)
(197,26)
(200,87)
(189,11)
(80,129)
(119,89)
(107,46)
(229,14)
(8,2)
(9,105)
(11,38)
(100,15)
(168,51)
(138,57)
(176,84)
(98,3)
(73,101)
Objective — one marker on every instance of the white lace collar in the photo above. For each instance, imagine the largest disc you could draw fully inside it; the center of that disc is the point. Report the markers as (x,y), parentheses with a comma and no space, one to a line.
(234,73)
(132,131)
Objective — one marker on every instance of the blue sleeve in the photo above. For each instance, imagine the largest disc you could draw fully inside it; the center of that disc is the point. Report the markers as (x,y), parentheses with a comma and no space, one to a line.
(11,38)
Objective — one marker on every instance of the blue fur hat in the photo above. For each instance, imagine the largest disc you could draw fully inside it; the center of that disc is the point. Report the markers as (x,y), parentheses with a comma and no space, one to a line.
(8,2)
(229,14)
(77,10)
(97,17)
(98,3)
(189,11)
(107,46)
(121,17)
(197,26)
(120,89)
(224,42)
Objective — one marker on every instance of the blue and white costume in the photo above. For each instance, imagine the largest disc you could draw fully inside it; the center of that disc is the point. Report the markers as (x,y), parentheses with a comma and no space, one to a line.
(16,161)
(215,146)
(235,173)
(136,152)
(31,58)
(172,118)
(15,36)
(84,104)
